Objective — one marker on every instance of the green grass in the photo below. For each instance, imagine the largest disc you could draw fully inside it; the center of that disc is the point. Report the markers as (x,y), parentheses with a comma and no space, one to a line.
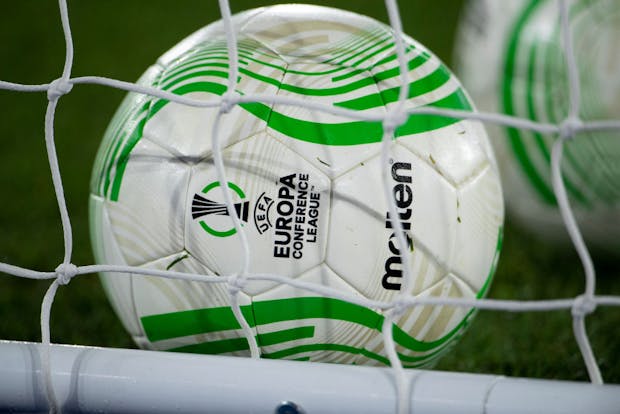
(120,39)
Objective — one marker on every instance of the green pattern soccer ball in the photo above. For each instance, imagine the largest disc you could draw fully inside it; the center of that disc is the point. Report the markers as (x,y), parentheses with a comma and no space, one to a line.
(511,59)
(307,189)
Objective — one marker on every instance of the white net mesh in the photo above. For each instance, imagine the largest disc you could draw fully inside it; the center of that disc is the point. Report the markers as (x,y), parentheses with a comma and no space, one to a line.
(580,306)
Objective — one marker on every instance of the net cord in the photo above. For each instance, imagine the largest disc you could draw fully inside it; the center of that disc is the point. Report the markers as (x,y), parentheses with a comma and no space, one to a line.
(57,88)
(395,117)
(580,306)
(583,304)
(237,281)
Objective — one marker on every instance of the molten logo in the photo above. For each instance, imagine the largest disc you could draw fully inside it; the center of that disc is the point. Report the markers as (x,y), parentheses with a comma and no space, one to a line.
(403,198)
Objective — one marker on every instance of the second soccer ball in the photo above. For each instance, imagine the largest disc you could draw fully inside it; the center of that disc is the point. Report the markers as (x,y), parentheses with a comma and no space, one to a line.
(510,56)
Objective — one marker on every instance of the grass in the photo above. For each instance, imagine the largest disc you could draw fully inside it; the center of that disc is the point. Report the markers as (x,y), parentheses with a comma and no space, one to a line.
(120,39)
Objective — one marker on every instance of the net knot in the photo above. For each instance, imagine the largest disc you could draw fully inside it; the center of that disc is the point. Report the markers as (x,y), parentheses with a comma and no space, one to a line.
(58,88)
(229,100)
(570,127)
(236,284)
(393,119)
(65,272)
(582,306)
(399,307)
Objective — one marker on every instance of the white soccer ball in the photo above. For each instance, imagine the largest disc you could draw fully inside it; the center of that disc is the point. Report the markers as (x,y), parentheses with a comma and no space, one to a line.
(510,57)
(307,187)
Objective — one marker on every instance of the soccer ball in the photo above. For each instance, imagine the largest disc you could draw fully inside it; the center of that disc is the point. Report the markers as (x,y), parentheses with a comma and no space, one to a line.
(510,58)
(307,188)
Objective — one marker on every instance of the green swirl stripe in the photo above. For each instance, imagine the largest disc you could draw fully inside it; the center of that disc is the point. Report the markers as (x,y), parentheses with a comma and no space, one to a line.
(356,42)
(217,51)
(350,87)
(364,59)
(241,344)
(111,158)
(119,157)
(318,347)
(353,72)
(412,64)
(200,321)
(271,65)
(285,353)
(383,61)
(364,52)
(208,52)
(286,335)
(394,56)
(215,347)
(113,136)
(191,75)
(498,248)
(128,114)
(122,159)
(429,83)
(170,79)
(317,73)
(336,90)
(209,87)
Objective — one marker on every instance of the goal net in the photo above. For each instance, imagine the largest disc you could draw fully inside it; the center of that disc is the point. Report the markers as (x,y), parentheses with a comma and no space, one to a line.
(41,376)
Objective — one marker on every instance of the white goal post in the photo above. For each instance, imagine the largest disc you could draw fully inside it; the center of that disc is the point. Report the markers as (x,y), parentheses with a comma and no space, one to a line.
(43,377)
(99,380)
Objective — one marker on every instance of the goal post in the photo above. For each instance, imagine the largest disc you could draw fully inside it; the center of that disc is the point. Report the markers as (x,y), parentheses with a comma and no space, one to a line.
(95,380)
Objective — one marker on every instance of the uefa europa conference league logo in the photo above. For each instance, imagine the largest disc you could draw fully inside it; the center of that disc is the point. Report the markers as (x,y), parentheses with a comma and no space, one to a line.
(292,211)
(204,207)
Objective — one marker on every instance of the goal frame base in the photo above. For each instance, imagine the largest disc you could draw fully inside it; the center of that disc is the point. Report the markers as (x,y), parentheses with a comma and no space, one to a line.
(103,380)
